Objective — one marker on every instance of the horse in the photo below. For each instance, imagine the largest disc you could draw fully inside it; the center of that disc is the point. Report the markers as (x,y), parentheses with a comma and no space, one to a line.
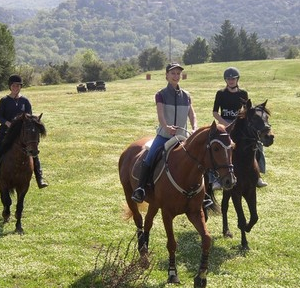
(250,126)
(179,188)
(19,146)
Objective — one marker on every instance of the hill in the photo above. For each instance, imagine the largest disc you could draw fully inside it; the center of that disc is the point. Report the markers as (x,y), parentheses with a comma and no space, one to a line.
(29,4)
(122,29)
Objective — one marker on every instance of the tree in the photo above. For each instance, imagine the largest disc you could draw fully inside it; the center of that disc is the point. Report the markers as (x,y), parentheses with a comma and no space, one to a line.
(230,46)
(196,53)
(7,55)
(226,46)
(51,76)
(292,53)
(152,59)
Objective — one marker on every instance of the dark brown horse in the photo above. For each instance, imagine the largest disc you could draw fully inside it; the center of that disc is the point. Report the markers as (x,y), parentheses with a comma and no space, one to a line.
(251,125)
(19,146)
(179,189)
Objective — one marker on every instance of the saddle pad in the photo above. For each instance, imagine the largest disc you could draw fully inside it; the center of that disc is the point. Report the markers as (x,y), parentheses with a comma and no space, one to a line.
(160,165)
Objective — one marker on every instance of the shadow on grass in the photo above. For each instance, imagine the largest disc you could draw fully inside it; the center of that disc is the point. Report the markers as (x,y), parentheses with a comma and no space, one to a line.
(125,270)
(116,268)
(2,233)
(189,253)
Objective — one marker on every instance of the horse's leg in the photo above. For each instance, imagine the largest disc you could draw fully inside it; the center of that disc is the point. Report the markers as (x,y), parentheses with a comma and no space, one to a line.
(224,208)
(152,211)
(198,220)
(237,202)
(251,202)
(19,210)
(171,246)
(136,215)
(6,201)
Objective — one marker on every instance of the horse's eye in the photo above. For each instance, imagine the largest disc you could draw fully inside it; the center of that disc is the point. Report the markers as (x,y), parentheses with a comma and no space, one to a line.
(216,149)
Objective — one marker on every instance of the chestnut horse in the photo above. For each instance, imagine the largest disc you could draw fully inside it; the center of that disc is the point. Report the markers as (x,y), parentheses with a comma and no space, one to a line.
(179,188)
(250,126)
(19,146)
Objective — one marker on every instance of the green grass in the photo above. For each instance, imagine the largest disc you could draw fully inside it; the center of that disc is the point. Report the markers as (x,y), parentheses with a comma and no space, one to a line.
(81,210)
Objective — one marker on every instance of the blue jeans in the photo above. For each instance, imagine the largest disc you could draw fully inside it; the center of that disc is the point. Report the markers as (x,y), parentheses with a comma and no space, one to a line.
(260,157)
(158,143)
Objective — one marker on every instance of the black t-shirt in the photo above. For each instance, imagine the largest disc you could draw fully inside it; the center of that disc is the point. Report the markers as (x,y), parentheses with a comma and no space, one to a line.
(229,103)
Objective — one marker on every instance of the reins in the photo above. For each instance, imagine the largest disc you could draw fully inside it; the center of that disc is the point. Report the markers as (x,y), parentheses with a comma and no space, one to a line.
(197,188)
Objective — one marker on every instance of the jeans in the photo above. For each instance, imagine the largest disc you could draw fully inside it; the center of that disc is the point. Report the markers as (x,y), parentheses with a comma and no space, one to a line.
(158,143)
(260,157)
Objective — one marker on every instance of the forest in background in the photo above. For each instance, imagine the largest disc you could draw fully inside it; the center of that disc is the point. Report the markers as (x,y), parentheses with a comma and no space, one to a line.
(122,29)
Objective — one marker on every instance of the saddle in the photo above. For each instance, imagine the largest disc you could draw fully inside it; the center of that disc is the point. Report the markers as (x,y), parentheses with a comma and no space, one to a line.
(159,161)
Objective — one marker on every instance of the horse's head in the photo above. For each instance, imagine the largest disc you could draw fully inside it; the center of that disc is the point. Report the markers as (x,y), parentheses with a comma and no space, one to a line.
(220,150)
(258,123)
(31,131)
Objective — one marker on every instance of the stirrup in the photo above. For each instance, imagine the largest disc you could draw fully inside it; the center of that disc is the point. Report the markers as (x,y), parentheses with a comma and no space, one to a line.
(138,195)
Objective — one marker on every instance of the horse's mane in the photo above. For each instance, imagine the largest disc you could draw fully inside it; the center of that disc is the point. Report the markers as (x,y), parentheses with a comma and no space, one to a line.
(15,128)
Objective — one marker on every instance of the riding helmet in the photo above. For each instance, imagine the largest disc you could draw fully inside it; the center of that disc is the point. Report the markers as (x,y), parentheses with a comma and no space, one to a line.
(15,79)
(231,72)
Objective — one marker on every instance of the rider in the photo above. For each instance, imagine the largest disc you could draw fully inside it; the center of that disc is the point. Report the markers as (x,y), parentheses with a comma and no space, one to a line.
(173,106)
(229,100)
(12,105)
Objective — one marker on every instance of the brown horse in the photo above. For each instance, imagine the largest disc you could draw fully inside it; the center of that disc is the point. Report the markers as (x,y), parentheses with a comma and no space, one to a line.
(251,125)
(19,146)
(179,188)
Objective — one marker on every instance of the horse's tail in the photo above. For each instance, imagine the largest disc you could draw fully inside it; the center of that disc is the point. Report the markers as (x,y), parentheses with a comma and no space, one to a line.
(127,213)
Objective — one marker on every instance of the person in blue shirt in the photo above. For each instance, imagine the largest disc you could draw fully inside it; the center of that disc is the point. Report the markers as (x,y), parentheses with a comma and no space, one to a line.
(174,107)
(12,105)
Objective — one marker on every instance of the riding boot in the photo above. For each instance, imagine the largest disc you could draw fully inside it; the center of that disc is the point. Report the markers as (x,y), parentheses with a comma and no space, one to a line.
(139,193)
(39,173)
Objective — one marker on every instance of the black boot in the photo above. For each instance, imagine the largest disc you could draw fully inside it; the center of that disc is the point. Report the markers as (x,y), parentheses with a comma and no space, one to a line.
(139,193)
(39,173)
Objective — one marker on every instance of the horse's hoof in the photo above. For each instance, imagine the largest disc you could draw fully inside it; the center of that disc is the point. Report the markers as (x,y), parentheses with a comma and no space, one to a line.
(5,220)
(20,231)
(144,262)
(199,282)
(173,279)
(245,247)
(227,234)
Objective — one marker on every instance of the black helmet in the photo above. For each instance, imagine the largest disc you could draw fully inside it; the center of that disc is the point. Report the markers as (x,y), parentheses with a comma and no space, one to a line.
(231,72)
(15,79)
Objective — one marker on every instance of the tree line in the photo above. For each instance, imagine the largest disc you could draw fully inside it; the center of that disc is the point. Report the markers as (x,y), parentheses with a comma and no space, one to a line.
(228,45)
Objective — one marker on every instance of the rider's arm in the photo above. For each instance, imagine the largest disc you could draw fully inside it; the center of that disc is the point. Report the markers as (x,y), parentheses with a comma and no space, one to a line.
(193,118)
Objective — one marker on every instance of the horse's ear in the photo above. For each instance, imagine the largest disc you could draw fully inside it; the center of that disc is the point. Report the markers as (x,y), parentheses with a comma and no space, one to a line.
(40,116)
(213,127)
(265,103)
(249,104)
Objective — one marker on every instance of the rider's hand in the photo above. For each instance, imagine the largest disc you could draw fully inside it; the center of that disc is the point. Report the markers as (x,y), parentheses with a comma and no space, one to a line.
(172,129)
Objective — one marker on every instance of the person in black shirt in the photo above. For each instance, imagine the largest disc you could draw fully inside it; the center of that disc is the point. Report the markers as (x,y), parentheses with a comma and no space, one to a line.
(227,103)
(12,105)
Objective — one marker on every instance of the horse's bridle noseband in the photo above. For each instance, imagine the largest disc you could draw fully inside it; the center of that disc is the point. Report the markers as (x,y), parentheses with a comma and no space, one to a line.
(27,142)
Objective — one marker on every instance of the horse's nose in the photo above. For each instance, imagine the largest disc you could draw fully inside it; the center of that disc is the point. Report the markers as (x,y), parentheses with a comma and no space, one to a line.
(229,181)
(33,152)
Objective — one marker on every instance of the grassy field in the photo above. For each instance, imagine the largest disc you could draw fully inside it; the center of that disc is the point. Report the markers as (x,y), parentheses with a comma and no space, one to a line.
(67,223)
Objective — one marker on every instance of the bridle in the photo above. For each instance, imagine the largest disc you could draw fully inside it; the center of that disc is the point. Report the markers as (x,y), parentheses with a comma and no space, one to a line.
(30,137)
(255,130)
(211,139)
